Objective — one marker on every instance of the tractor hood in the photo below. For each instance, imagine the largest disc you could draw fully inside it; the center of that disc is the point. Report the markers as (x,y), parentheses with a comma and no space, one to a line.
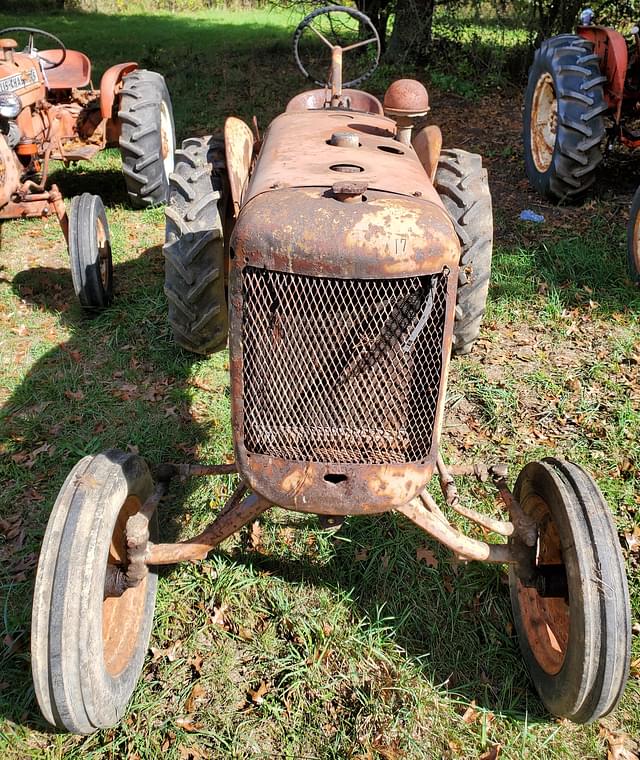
(297,151)
(308,231)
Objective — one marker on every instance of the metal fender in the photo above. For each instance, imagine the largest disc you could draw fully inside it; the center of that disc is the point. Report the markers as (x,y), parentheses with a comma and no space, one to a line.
(109,83)
(611,47)
(238,148)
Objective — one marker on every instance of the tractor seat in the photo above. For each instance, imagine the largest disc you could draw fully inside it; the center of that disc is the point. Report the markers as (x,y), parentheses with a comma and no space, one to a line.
(313,99)
(75,71)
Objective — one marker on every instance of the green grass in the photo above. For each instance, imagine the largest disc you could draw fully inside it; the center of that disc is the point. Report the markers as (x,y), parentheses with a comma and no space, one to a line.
(361,650)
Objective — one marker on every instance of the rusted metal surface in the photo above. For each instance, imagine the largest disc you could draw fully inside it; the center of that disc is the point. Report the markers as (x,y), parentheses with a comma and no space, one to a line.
(357,100)
(168,471)
(406,97)
(386,236)
(328,488)
(296,153)
(427,143)
(75,71)
(425,514)
(525,527)
(123,613)
(327,478)
(10,169)
(231,519)
(611,47)
(545,619)
(238,147)
(111,84)
(450,493)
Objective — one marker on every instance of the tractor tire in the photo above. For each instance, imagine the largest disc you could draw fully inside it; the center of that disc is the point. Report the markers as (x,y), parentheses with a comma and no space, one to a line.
(563,123)
(576,644)
(90,252)
(633,239)
(87,650)
(147,138)
(194,250)
(463,187)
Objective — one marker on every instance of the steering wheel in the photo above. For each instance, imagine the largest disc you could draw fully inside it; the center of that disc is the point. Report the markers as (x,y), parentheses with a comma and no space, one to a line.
(365,23)
(31,49)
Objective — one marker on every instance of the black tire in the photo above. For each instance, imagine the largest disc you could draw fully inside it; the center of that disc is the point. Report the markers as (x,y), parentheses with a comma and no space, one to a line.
(580,671)
(194,249)
(564,91)
(84,677)
(464,188)
(633,238)
(90,252)
(147,138)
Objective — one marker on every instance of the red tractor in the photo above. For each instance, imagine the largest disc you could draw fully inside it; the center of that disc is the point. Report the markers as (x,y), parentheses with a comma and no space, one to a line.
(354,250)
(50,111)
(583,92)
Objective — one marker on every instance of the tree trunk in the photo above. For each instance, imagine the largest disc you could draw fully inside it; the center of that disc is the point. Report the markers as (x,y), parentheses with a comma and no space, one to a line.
(411,35)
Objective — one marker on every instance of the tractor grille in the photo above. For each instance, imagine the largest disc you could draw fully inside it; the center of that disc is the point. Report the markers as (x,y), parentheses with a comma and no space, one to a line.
(341,370)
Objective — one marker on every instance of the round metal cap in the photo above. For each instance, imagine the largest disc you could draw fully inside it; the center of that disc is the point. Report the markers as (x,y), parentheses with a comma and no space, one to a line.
(407,97)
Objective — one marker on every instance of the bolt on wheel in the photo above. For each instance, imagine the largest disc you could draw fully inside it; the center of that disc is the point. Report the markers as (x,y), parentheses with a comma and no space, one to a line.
(574,627)
(87,649)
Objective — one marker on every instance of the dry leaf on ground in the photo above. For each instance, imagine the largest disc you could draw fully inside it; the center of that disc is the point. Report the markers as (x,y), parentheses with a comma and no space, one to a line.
(426,555)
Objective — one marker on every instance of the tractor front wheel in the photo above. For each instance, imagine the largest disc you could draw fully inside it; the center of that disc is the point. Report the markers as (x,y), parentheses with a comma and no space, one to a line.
(147,138)
(87,649)
(90,252)
(563,117)
(575,635)
(194,249)
(464,189)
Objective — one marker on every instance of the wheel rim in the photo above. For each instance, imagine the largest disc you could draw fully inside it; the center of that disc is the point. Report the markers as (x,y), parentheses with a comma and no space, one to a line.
(167,139)
(545,620)
(122,616)
(544,122)
(104,253)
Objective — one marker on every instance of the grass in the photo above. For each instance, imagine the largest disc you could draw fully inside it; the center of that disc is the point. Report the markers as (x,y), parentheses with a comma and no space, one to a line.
(304,643)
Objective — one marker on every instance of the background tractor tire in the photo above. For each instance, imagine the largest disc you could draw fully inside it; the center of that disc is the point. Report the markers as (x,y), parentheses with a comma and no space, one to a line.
(147,138)
(194,249)
(90,252)
(464,189)
(563,118)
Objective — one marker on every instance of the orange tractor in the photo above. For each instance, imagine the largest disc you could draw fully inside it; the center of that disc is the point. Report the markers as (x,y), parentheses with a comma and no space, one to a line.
(50,111)
(355,252)
(583,93)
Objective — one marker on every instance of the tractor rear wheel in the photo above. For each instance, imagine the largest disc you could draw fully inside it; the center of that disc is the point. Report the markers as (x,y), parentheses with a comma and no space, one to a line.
(90,252)
(633,238)
(575,634)
(563,117)
(88,648)
(147,138)
(194,251)
(464,189)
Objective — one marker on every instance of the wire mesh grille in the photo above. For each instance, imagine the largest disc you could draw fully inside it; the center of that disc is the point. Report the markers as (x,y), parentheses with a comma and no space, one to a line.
(341,371)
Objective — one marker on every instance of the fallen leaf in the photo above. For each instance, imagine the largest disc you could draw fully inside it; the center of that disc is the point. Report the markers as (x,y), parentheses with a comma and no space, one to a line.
(218,615)
(426,555)
(633,539)
(361,554)
(470,714)
(620,746)
(188,724)
(197,693)
(191,753)
(74,395)
(255,540)
(257,695)
(492,753)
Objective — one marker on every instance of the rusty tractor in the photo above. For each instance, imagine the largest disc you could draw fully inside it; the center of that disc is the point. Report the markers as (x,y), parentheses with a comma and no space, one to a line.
(351,250)
(50,111)
(583,94)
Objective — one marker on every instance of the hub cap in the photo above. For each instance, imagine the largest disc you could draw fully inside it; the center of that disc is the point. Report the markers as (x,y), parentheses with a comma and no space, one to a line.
(544,122)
